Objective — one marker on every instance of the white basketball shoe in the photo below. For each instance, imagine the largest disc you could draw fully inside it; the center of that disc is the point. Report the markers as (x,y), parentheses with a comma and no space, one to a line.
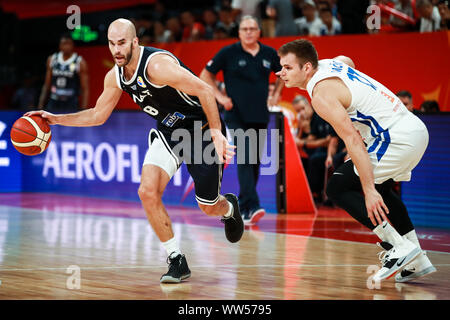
(416,269)
(395,258)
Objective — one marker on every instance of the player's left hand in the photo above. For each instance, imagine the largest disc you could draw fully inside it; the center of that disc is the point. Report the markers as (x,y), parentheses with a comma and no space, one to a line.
(376,208)
(224,150)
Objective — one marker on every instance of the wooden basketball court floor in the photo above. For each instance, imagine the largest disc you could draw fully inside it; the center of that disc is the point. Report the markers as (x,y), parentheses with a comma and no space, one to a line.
(67,247)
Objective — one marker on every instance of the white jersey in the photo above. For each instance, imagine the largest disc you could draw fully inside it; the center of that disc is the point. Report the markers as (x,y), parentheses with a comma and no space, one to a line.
(383,121)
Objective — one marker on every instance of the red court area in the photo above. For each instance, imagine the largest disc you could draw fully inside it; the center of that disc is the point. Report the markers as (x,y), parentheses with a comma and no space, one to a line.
(327,223)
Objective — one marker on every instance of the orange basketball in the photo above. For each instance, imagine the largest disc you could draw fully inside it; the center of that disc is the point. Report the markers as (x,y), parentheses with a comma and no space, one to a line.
(31,135)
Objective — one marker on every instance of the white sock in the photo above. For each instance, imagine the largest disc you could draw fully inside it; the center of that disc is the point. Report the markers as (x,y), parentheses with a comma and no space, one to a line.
(387,233)
(171,246)
(230,210)
(412,236)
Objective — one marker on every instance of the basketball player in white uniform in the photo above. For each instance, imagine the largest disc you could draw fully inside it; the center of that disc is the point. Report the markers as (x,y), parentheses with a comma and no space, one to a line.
(385,142)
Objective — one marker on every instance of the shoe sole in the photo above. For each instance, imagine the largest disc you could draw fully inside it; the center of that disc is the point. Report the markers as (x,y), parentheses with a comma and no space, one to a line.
(416,275)
(410,257)
(169,279)
(257,216)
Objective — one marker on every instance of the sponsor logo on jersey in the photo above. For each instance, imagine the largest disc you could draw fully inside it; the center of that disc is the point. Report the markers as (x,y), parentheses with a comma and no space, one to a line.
(266,64)
(140,82)
(171,119)
(242,63)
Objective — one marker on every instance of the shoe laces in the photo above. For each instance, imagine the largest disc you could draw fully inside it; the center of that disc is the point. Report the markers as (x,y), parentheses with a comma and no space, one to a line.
(172,261)
(383,256)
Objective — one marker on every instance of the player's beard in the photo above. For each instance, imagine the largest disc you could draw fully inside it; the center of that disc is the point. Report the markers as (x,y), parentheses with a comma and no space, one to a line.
(129,55)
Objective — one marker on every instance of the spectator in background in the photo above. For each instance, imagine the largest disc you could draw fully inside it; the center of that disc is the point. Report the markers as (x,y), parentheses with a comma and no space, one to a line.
(353,15)
(66,78)
(282,12)
(242,8)
(444,11)
(309,17)
(173,31)
(430,19)
(220,33)
(304,114)
(406,98)
(227,23)
(327,25)
(404,6)
(429,106)
(267,23)
(192,30)
(317,140)
(159,33)
(246,67)
(210,23)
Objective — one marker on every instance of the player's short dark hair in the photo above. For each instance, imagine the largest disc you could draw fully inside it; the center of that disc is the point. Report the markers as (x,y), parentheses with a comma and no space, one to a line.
(304,51)
(404,93)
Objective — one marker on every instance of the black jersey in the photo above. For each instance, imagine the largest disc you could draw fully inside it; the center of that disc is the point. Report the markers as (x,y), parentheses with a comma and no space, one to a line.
(170,107)
(65,83)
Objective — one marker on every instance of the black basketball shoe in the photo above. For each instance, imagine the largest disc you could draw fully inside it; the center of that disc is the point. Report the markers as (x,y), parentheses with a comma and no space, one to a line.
(178,270)
(234,226)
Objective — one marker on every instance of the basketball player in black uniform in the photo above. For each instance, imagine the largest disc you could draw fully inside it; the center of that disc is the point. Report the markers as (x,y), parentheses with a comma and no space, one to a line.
(168,91)
(66,77)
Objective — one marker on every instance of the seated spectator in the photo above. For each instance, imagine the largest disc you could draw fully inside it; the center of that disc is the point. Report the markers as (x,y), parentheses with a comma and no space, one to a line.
(227,23)
(159,33)
(210,23)
(313,146)
(192,30)
(220,33)
(282,12)
(444,11)
(304,114)
(403,6)
(429,106)
(430,19)
(309,17)
(173,31)
(406,98)
(327,25)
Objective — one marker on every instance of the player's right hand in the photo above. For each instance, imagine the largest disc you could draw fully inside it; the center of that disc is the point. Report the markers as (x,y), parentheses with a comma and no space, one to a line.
(376,208)
(50,117)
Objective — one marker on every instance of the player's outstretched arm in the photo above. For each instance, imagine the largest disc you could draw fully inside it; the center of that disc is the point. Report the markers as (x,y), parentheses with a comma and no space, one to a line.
(327,105)
(92,116)
(164,70)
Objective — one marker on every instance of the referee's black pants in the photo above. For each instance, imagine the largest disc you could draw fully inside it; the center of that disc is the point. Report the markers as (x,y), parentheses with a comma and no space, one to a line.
(248,158)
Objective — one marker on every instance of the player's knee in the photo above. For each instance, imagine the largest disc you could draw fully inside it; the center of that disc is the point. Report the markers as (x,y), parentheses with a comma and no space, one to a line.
(149,194)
